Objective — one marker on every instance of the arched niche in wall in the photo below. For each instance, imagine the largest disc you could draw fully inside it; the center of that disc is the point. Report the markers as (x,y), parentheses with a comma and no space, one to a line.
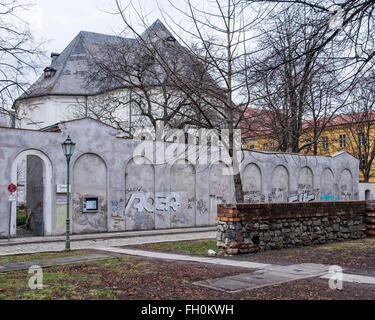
(139,194)
(89,194)
(346,185)
(252,184)
(219,189)
(305,180)
(182,194)
(328,191)
(279,185)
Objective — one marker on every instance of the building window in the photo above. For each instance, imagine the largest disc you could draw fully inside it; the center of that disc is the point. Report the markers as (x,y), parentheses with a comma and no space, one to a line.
(49,72)
(308,144)
(342,140)
(265,146)
(325,143)
(362,161)
(361,139)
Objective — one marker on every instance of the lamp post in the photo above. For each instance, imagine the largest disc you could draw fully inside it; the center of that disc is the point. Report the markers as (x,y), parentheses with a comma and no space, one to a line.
(68,149)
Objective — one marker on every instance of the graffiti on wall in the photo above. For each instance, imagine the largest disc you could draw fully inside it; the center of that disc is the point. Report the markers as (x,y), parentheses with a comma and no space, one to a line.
(202,207)
(254,197)
(302,197)
(150,201)
(328,197)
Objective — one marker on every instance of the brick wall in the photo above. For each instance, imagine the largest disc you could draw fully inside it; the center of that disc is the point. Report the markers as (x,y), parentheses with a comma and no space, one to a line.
(245,228)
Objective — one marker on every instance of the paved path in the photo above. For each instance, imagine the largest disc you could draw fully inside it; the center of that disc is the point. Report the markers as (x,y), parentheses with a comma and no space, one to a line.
(25,247)
(24,265)
(106,235)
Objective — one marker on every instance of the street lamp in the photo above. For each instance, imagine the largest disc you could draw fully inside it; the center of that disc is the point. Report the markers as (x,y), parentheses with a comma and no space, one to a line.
(68,149)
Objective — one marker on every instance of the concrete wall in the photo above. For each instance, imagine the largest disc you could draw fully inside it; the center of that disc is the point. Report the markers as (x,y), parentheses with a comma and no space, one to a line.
(4,119)
(366,191)
(157,195)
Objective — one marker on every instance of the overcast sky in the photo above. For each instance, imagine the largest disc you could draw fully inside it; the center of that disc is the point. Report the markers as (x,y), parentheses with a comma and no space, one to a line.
(59,21)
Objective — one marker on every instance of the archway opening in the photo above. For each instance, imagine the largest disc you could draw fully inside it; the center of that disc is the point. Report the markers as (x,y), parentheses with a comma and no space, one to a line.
(367,195)
(31,212)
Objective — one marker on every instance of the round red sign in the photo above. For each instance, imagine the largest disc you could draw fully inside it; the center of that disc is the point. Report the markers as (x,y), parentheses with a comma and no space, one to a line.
(12,188)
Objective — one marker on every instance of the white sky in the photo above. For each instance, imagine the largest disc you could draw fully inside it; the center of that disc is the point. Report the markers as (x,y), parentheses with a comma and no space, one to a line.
(59,21)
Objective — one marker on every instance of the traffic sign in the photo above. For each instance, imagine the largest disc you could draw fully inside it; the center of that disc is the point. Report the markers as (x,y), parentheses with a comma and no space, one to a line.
(12,197)
(12,188)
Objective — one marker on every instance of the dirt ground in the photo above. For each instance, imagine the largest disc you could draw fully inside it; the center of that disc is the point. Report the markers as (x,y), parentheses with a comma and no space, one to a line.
(357,257)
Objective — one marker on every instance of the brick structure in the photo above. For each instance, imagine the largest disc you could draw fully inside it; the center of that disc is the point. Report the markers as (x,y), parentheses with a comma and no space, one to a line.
(245,228)
(370,219)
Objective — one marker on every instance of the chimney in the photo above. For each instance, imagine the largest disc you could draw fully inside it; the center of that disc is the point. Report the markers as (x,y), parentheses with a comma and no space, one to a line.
(54,55)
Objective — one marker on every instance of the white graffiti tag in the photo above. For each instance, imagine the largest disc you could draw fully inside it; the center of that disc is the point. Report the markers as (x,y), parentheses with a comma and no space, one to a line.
(161,201)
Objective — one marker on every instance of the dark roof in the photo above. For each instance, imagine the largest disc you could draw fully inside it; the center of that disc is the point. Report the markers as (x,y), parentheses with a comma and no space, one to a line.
(74,65)
(71,67)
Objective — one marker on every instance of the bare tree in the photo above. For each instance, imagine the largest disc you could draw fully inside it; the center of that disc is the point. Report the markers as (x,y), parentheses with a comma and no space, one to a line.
(345,28)
(359,124)
(18,52)
(300,93)
(200,82)
(140,73)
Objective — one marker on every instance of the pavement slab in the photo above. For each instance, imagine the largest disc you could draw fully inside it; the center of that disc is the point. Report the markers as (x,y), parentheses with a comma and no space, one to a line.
(263,279)
(13,266)
(303,270)
(245,281)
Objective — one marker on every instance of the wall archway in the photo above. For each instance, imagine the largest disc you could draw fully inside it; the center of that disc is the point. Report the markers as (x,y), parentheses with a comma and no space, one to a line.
(89,180)
(279,184)
(47,186)
(305,180)
(328,191)
(183,183)
(139,209)
(219,189)
(346,185)
(252,184)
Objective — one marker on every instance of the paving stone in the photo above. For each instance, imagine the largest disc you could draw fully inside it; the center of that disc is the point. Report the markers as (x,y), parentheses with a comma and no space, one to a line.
(315,266)
(295,269)
(225,284)
(265,278)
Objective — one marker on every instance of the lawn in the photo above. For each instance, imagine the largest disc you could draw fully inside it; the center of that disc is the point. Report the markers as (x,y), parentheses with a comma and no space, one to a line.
(117,278)
(194,247)
(131,277)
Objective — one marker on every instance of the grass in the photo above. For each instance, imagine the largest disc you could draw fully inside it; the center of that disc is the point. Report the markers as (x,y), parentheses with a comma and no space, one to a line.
(21,214)
(194,247)
(74,281)
(351,245)
(42,256)
(21,217)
